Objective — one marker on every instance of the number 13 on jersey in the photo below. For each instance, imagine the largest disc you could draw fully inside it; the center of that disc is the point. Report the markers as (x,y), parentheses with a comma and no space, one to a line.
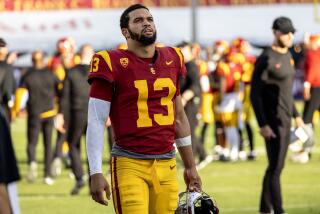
(144,119)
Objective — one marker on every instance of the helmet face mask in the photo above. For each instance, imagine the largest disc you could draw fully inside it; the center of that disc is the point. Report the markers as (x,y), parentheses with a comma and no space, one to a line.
(196,203)
(303,137)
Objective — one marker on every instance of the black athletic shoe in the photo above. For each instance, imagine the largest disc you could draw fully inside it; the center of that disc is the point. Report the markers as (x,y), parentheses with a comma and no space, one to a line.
(76,189)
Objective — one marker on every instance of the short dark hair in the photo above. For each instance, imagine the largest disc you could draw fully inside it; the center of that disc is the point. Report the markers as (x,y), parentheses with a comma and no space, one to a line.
(183,44)
(124,19)
(2,43)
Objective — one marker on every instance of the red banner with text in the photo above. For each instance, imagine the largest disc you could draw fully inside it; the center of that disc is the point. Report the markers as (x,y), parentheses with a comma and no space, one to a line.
(27,5)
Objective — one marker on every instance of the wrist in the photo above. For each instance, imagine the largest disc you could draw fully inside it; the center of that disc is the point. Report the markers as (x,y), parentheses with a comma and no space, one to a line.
(96,174)
(191,167)
(264,126)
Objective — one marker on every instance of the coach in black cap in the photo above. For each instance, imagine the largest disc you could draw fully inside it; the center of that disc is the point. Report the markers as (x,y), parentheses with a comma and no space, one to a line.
(272,101)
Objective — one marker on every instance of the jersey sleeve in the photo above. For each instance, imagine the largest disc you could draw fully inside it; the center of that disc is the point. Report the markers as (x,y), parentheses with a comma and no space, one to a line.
(101,89)
(309,75)
(183,70)
(101,67)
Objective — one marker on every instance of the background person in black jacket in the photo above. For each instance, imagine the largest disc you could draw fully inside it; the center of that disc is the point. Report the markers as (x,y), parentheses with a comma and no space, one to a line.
(272,100)
(38,87)
(8,82)
(190,94)
(9,172)
(74,102)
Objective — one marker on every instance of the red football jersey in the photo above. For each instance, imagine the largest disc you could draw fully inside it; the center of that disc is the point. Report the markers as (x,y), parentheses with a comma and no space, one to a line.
(143,101)
(232,73)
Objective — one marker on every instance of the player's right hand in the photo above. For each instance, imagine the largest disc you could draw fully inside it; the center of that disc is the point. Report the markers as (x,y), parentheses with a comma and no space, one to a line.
(99,185)
(192,179)
(267,132)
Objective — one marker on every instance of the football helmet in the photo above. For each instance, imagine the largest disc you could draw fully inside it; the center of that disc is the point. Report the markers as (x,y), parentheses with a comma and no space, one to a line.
(240,45)
(65,45)
(221,47)
(196,203)
(302,137)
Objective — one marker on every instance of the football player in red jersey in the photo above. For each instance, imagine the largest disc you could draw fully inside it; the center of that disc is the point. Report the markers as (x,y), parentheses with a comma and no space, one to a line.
(139,89)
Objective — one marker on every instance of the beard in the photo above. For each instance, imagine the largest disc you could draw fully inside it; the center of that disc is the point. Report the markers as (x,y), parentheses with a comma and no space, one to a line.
(144,40)
(281,44)
(284,44)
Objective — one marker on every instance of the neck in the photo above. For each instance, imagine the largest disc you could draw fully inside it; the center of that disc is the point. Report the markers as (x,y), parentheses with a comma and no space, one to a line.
(39,66)
(276,47)
(142,51)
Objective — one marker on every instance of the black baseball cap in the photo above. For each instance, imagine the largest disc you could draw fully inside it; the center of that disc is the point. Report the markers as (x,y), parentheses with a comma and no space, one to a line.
(283,24)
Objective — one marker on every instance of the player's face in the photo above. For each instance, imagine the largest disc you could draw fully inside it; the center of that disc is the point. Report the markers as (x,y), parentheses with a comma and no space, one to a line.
(141,27)
(37,56)
(284,40)
(3,51)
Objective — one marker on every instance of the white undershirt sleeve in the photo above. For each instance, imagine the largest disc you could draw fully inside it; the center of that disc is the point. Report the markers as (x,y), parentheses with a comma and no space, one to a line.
(98,113)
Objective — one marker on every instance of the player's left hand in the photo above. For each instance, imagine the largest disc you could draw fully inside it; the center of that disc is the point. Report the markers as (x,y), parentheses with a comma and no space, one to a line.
(192,179)
(59,123)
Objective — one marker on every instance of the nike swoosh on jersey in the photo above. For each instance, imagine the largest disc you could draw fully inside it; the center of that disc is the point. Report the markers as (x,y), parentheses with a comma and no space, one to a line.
(169,62)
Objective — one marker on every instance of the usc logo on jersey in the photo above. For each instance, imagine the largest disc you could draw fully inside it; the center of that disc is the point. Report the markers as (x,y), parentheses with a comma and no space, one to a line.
(124,62)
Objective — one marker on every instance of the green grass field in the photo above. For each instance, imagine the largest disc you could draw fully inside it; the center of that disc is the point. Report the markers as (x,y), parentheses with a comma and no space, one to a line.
(235,186)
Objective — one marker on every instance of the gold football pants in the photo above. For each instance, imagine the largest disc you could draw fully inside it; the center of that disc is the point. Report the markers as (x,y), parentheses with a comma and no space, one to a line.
(144,186)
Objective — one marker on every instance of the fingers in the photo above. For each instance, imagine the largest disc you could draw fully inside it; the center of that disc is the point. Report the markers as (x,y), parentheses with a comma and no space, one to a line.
(108,192)
(98,197)
(195,187)
(272,134)
(59,126)
(62,130)
(98,185)
(268,134)
(195,184)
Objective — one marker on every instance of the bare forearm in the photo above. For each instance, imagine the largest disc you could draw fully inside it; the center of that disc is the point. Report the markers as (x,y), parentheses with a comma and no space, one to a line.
(187,156)
(182,123)
(183,136)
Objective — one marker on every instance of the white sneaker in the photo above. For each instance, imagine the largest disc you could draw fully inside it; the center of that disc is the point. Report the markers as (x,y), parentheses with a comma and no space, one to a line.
(32,172)
(242,155)
(72,176)
(218,149)
(252,155)
(49,181)
(301,157)
(234,154)
(56,168)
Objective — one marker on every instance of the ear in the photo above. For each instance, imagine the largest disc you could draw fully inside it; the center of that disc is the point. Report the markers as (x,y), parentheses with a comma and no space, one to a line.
(275,32)
(125,33)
